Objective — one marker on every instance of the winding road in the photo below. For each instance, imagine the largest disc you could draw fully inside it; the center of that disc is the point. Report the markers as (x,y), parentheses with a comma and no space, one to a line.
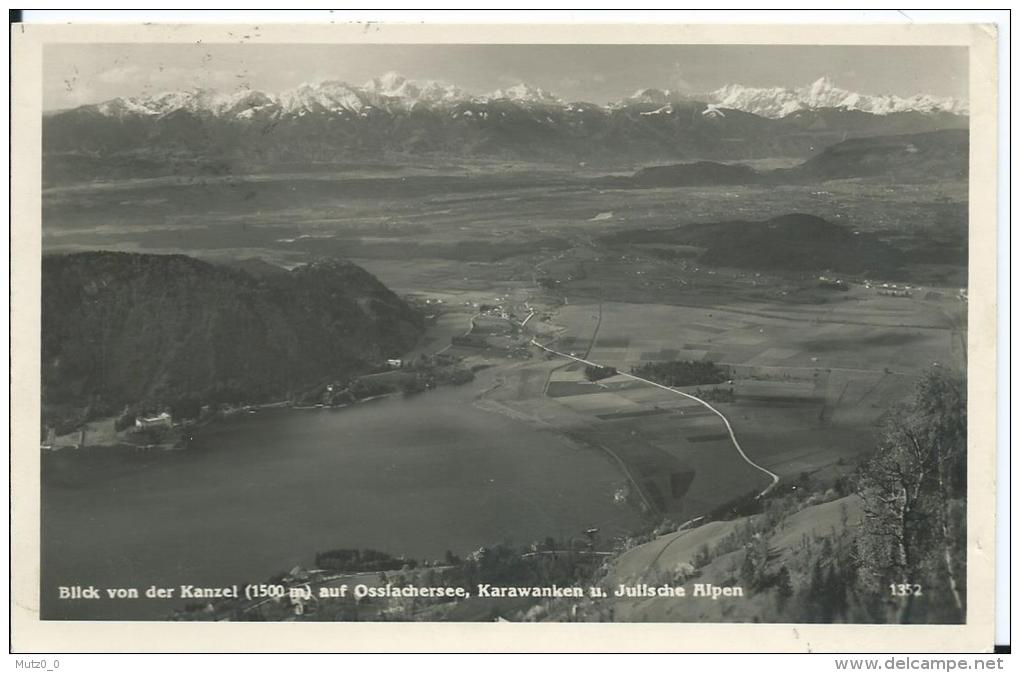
(733,438)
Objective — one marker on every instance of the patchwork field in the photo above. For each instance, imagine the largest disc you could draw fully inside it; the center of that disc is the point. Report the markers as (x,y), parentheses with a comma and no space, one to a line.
(810,387)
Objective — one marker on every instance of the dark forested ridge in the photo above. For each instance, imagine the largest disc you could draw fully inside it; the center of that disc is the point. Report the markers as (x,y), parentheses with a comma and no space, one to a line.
(129,329)
(916,157)
(794,242)
(910,158)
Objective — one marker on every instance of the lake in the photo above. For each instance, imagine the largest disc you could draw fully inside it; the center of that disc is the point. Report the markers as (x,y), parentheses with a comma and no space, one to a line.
(260,494)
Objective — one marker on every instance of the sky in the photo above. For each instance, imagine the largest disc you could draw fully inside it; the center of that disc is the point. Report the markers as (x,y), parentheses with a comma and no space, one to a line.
(81,74)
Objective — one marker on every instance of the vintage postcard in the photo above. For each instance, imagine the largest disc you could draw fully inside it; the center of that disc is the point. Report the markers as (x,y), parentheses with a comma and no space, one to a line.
(512,338)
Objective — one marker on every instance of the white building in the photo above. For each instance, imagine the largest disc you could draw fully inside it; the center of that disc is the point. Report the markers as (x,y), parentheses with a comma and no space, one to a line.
(164,419)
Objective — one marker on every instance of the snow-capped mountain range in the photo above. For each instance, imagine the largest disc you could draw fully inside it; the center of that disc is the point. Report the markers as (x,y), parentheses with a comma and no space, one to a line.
(778,102)
(318,124)
(393,92)
(390,92)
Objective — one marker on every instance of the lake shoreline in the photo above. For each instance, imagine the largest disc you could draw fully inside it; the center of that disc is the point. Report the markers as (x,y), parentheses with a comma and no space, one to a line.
(415,475)
(174,442)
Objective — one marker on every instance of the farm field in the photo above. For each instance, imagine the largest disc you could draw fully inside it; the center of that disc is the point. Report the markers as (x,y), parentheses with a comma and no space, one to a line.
(811,386)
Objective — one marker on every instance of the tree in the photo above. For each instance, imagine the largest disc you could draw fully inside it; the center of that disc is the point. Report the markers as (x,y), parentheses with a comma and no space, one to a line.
(596,373)
(913,489)
(125,420)
(547,283)
(784,587)
(703,557)
(412,385)
(754,571)
(681,372)
(186,406)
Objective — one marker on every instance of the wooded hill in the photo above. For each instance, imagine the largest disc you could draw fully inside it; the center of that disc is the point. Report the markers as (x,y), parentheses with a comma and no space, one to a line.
(795,242)
(130,329)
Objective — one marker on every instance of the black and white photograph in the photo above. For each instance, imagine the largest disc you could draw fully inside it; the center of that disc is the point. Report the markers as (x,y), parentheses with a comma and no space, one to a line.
(448,332)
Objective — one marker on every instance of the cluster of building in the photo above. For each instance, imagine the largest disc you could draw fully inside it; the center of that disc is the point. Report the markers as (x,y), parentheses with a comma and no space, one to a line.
(891,289)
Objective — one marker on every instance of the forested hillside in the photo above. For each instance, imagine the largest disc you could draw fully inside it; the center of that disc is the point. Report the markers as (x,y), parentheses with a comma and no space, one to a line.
(128,329)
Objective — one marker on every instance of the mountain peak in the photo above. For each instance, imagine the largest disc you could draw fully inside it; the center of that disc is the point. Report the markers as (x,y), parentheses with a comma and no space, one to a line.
(653,96)
(525,93)
(823,83)
(409,93)
(330,96)
(389,80)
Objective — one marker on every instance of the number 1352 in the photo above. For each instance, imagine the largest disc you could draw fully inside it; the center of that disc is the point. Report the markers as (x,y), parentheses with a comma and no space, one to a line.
(905,589)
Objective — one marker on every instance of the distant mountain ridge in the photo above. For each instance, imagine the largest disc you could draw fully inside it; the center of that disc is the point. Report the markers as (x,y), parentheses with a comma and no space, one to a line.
(391,92)
(916,157)
(779,102)
(391,118)
(394,92)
